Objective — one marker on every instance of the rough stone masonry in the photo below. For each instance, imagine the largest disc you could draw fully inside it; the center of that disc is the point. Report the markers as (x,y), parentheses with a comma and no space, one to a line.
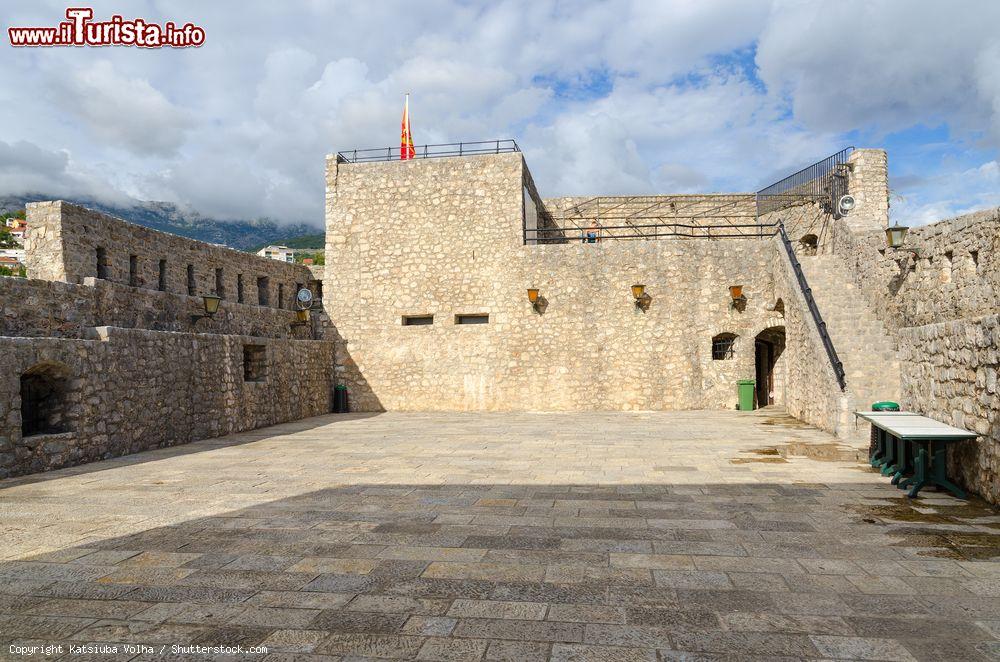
(426,308)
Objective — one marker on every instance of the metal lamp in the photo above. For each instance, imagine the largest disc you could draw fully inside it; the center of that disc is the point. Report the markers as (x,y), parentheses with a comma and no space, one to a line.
(642,300)
(895,235)
(301,317)
(535,299)
(211,304)
(739,299)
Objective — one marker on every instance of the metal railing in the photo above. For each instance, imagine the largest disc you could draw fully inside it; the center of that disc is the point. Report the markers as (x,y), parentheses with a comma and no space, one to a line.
(635,217)
(429,151)
(824,182)
(566,235)
(831,351)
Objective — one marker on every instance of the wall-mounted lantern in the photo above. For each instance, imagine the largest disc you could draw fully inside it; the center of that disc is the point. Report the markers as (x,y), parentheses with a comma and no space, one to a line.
(535,299)
(642,300)
(211,303)
(895,235)
(739,299)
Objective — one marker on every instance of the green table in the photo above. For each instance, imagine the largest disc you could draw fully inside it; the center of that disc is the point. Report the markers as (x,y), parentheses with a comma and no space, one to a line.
(909,442)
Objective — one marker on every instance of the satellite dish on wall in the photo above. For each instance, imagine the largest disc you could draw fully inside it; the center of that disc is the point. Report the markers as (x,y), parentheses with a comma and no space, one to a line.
(304,298)
(846,204)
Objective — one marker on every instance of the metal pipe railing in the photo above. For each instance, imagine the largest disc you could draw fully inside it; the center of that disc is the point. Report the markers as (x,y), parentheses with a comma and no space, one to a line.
(831,351)
(818,181)
(556,235)
(429,151)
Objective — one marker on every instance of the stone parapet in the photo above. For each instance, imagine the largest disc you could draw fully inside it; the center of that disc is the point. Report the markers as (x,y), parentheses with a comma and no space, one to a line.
(38,308)
(69,243)
(950,374)
(154,389)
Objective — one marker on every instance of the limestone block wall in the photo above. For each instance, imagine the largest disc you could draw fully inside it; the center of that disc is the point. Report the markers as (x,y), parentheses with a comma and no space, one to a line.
(868,182)
(155,389)
(38,308)
(941,306)
(803,223)
(442,238)
(950,374)
(813,394)
(69,243)
(955,274)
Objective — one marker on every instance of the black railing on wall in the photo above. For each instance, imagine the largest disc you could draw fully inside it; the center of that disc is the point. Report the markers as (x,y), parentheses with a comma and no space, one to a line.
(824,181)
(429,151)
(665,230)
(831,352)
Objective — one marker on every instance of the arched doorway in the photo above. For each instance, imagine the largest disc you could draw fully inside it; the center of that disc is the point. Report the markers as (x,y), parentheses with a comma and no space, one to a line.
(768,348)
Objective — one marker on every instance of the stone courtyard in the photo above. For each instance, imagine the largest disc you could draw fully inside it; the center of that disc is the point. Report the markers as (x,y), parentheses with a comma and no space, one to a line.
(500,536)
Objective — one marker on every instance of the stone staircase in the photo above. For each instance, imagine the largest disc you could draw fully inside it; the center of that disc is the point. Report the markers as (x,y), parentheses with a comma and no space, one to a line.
(863,343)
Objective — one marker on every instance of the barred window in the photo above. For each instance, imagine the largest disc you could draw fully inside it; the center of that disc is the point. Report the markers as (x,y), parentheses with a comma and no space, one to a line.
(723,346)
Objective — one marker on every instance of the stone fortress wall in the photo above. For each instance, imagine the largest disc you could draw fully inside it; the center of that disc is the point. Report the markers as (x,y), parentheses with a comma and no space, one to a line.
(942,304)
(69,243)
(443,238)
(124,368)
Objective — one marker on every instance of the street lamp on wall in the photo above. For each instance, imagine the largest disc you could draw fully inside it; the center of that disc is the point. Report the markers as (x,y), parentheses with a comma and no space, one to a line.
(895,235)
(739,299)
(642,300)
(535,299)
(211,304)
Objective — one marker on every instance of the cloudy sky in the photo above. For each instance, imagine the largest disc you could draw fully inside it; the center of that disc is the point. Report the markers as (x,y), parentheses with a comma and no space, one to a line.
(638,96)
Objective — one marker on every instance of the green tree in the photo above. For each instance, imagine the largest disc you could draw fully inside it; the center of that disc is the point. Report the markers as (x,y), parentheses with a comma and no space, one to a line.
(7,239)
(317,258)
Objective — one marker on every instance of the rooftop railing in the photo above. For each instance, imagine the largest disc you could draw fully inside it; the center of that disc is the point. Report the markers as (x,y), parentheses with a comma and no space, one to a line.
(429,151)
(824,182)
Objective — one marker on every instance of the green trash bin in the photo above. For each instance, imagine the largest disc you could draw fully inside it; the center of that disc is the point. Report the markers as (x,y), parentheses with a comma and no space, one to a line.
(874,450)
(745,388)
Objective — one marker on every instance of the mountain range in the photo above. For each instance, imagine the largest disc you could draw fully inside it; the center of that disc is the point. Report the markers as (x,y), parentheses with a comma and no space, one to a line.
(167,217)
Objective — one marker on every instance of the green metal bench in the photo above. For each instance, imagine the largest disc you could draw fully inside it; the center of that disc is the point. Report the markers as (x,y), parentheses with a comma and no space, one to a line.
(913,449)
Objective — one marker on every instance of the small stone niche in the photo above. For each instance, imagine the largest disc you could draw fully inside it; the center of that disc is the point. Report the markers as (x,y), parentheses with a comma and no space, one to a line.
(475,318)
(254,363)
(45,400)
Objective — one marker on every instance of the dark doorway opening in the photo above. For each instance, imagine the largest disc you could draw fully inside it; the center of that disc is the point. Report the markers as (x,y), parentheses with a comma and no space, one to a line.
(44,400)
(768,347)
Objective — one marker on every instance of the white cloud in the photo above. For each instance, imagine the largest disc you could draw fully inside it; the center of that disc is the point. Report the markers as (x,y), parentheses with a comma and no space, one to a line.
(930,199)
(28,168)
(123,111)
(621,96)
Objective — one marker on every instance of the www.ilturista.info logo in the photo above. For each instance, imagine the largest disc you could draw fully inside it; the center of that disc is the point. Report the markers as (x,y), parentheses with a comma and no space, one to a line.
(79,30)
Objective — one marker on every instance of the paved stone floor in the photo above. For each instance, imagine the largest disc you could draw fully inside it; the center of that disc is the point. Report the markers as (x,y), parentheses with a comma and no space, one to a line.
(593,536)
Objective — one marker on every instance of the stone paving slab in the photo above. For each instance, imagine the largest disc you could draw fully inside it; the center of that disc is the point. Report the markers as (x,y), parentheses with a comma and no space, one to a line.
(584,536)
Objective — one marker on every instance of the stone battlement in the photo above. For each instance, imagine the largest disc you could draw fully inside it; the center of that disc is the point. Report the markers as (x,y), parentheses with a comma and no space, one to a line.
(69,243)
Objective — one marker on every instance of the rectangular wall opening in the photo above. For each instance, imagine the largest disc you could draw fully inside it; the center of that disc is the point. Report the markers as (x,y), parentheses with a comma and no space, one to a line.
(102,263)
(133,270)
(418,320)
(263,298)
(192,284)
(281,295)
(254,363)
(162,279)
(220,283)
(239,288)
(476,318)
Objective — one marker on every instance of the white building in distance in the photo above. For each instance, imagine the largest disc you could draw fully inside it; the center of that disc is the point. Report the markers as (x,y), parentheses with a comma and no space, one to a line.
(282,253)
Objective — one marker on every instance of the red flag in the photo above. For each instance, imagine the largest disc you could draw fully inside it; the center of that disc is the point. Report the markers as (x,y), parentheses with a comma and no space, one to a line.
(406,150)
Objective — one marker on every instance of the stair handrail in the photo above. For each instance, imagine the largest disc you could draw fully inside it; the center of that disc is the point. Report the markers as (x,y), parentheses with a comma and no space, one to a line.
(831,351)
